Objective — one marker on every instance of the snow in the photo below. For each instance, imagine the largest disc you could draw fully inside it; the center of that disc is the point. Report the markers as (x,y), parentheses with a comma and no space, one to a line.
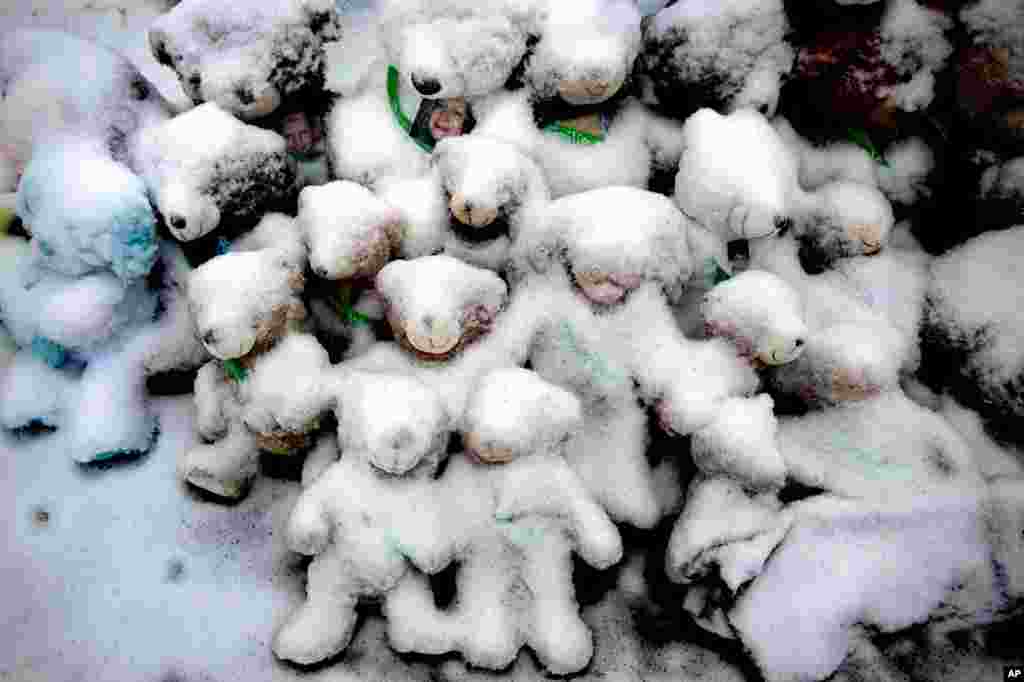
(965,288)
(914,44)
(854,562)
(910,162)
(997,24)
(736,175)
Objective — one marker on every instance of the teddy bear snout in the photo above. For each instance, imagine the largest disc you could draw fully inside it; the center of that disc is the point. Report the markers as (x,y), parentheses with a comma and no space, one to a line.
(426,85)
(176,222)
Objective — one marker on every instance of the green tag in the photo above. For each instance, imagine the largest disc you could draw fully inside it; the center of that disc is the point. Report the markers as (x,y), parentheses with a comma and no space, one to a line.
(343,304)
(235,371)
(396,108)
(860,138)
(573,135)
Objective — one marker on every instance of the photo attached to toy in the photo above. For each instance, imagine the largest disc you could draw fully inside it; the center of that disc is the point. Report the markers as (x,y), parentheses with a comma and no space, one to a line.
(441,118)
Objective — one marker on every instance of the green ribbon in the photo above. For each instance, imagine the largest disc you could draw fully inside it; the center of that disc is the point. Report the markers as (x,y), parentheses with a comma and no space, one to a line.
(235,371)
(343,305)
(396,108)
(573,135)
(861,139)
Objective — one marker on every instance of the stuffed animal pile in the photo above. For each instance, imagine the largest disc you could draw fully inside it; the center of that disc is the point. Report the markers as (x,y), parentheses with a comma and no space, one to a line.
(687,285)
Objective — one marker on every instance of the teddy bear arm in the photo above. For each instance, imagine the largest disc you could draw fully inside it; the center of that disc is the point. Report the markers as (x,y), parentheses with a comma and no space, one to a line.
(309,528)
(211,420)
(596,538)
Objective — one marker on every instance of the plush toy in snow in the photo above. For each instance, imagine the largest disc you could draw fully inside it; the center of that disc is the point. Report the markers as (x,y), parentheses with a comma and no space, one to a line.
(371,512)
(576,116)
(205,168)
(602,328)
(450,325)
(971,340)
(720,55)
(1000,200)
(864,75)
(990,74)
(263,389)
(76,302)
(351,235)
(247,57)
(493,190)
(55,84)
(515,514)
(415,75)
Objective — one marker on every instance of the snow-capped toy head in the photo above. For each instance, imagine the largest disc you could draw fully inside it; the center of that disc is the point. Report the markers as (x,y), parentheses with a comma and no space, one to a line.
(737,177)
(843,363)
(847,219)
(488,183)
(246,56)
(243,301)
(395,422)
(586,51)
(351,233)
(453,48)
(87,213)
(760,313)
(205,166)
(514,412)
(613,240)
(436,305)
(724,55)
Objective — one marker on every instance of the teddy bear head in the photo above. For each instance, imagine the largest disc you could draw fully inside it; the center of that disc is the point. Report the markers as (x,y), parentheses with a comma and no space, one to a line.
(842,363)
(760,314)
(437,305)
(249,56)
(244,301)
(395,422)
(514,412)
(285,395)
(205,167)
(587,233)
(846,219)
(86,212)
(488,183)
(453,48)
(351,233)
(721,55)
(586,51)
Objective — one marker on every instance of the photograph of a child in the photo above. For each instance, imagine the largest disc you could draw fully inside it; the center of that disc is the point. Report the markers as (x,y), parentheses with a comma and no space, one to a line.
(441,118)
(306,147)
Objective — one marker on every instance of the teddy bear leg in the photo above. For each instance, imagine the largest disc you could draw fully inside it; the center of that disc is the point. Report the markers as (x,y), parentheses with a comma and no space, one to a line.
(557,634)
(225,468)
(324,624)
(414,622)
(608,456)
(488,611)
(10,169)
(32,393)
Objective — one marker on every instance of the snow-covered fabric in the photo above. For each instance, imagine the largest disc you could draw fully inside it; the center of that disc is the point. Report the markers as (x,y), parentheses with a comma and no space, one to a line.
(247,57)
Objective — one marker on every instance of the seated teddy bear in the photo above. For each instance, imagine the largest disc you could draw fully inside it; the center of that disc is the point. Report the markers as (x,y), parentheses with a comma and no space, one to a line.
(263,389)
(247,57)
(365,516)
(55,84)
(76,302)
(601,326)
(514,514)
(576,116)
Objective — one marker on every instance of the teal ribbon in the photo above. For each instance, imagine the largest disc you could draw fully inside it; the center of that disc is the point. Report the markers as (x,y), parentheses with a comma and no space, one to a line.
(573,135)
(50,352)
(235,371)
(860,138)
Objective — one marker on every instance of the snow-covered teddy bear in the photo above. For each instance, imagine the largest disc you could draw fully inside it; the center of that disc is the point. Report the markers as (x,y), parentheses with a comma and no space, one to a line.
(451,323)
(866,70)
(369,513)
(263,389)
(205,168)
(414,74)
(351,235)
(720,55)
(515,512)
(971,337)
(575,115)
(247,57)
(56,84)
(76,301)
(601,326)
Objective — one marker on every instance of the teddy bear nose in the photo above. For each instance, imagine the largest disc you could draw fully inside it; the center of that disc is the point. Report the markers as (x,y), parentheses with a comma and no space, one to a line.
(321,271)
(177,222)
(245,95)
(799,343)
(426,86)
(209,337)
